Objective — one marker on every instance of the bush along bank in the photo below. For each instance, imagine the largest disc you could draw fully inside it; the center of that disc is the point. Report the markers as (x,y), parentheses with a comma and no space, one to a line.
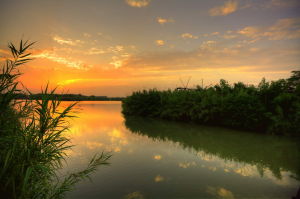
(271,107)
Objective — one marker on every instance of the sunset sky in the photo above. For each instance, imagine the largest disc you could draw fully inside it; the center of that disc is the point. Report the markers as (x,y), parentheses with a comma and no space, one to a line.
(114,47)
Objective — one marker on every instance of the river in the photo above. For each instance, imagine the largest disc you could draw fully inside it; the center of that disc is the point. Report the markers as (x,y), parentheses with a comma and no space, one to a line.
(162,159)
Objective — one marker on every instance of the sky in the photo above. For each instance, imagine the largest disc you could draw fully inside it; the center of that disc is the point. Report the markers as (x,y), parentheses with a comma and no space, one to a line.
(115,47)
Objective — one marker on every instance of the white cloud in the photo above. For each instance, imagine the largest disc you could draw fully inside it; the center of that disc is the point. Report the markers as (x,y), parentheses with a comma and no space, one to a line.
(95,51)
(62,60)
(207,44)
(70,42)
(117,48)
(120,60)
(116,62)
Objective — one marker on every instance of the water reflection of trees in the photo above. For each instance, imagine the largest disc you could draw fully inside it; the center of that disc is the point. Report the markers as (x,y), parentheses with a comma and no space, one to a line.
(265,152)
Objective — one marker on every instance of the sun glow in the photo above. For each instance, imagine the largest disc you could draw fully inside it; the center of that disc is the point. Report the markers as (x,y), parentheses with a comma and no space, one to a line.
(69,81)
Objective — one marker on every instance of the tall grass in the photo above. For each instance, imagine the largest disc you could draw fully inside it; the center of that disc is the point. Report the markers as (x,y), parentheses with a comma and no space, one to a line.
(32,141)
(272,107)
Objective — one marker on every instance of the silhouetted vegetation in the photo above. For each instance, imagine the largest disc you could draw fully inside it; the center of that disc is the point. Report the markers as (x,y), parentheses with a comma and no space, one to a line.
(69,97)
(265,152)
(32,140)
(271,107)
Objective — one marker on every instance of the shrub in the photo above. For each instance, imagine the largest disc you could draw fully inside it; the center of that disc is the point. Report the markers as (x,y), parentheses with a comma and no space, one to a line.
(271,107)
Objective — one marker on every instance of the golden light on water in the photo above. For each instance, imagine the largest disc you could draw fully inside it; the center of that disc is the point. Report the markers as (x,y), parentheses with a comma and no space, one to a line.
(100,127)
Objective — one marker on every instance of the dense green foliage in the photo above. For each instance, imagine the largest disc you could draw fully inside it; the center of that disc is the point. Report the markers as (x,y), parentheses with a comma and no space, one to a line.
(32,140)
(272,107)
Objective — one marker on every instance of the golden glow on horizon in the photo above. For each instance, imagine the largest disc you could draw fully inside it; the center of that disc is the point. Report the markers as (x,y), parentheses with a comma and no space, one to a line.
(104,81)
(69,81)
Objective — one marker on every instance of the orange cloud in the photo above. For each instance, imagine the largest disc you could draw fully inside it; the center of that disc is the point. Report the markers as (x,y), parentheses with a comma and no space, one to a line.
(188,36)
(163,21)
(215,33)
(288,28)
(229,7)
(138,3)
(160,42)
(249,31)
(157,157)
(283,29)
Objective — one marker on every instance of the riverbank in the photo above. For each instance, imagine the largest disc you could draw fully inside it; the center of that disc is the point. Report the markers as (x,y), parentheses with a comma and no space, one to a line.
(271,107)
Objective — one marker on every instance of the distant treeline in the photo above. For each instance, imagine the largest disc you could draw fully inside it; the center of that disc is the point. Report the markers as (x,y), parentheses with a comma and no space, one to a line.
(69,97)
(270,107)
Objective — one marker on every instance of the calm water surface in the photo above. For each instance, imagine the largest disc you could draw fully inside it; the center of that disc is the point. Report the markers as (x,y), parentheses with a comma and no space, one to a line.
(160,159)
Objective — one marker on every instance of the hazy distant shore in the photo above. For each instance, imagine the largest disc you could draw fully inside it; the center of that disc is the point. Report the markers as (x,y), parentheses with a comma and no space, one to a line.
(70,97)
